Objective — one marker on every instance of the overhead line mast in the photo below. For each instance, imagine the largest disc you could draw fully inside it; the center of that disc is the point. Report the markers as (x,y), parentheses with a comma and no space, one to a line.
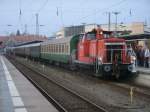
(116,14)
(20,16)
(37,24)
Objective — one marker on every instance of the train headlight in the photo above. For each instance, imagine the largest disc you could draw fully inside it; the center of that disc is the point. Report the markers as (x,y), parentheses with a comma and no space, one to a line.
(107,68)
(130,67)
(133,58)
(99,60)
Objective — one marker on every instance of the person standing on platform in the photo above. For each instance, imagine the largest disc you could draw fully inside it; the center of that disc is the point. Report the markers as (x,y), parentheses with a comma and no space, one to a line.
(141,56)
(147,57)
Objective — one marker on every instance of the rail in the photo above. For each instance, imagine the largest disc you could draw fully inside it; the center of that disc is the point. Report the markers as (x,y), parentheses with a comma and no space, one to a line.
(81,104)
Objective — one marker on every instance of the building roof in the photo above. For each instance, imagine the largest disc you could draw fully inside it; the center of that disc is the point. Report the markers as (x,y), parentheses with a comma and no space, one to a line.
(27,38)
(28,43)
(135,37)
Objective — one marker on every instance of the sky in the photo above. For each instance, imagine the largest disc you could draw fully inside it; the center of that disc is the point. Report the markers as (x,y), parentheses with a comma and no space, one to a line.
(55,14)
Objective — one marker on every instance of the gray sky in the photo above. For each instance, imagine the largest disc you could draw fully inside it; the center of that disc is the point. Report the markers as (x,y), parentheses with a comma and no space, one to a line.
(54,14)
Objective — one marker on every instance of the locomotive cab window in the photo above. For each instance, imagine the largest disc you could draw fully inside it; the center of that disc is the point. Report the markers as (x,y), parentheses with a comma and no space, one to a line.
(91,36)
(106,35)
(80,37)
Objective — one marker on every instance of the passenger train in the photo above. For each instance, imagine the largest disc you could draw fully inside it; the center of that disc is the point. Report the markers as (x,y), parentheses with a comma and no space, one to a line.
(97,50)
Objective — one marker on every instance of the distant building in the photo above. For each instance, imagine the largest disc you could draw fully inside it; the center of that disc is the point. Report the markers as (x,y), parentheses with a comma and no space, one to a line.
(27,38)
(13,39)
(134,28)
(70,31)
(60,34)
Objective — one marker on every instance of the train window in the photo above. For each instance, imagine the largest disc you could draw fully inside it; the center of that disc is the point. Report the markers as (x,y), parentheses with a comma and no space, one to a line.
(44,48)
(106,35)
(63,48)
(41,49)
(91,36)
(49,48)
(66,48)
(56,48)
(59,48)
(52,48)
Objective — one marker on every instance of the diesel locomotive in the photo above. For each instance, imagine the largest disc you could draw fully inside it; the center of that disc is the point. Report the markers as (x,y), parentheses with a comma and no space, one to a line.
(97,50)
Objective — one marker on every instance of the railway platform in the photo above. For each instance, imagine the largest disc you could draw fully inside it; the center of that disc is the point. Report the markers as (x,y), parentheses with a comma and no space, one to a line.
(17,94)
(143,70)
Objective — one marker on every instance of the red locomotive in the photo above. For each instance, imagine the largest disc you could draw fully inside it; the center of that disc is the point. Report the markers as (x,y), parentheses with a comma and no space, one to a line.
(108,55)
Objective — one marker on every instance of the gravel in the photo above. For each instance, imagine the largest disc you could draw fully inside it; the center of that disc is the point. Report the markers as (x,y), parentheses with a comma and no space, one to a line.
(96,90)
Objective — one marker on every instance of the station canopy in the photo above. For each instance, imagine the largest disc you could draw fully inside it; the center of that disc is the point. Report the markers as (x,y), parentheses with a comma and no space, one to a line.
(136,37)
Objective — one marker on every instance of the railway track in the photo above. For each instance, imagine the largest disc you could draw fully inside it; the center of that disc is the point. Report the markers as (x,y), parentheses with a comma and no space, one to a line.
(137,89)
(64,99)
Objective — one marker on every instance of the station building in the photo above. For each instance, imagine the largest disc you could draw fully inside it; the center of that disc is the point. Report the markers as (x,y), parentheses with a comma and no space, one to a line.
(13,40)
(135,28)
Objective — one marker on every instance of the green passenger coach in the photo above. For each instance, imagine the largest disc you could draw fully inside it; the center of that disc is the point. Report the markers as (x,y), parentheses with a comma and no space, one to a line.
(59,50)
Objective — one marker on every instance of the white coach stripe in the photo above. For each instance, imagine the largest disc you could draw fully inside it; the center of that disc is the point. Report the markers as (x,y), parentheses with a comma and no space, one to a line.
(16,99)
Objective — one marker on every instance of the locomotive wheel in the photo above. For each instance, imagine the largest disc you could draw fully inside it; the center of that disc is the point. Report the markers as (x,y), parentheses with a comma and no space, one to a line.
(72,67)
